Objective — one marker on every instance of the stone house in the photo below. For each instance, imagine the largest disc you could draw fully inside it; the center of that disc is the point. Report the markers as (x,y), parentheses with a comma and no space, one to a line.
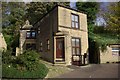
(60,36)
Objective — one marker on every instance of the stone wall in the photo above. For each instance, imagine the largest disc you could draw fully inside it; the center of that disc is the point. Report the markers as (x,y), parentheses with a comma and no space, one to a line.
(48,25)
(109,56)
(3,45)
(64,26)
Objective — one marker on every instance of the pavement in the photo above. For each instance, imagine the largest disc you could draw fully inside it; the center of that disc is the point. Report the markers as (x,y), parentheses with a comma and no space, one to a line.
(93,71)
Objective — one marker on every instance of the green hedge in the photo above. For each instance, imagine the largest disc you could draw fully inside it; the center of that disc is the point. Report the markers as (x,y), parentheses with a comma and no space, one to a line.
(8,71)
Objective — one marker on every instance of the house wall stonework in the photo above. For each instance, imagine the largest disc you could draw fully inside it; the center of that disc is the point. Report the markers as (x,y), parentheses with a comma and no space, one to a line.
(64,25)
(3,45)
(23,41)
(48,26)
(64,18)
(109,56)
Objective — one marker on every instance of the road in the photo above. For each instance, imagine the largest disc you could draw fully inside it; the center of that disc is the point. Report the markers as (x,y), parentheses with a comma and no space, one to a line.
(94,71)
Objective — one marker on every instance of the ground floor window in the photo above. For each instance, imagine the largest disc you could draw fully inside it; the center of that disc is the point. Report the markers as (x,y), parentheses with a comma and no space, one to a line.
(116,51)
(41,47)
(76,46)
(30,46)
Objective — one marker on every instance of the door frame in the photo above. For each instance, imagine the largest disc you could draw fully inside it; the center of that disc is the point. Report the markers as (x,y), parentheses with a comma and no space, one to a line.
(63,49)
(58,59)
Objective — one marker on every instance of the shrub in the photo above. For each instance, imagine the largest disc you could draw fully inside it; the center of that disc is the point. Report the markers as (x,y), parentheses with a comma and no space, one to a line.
(26,65)
(29,60)
(99,29)
(8,71)
(7,57)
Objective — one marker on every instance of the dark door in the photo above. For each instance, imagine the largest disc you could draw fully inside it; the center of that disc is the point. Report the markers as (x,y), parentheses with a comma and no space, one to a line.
(60,48)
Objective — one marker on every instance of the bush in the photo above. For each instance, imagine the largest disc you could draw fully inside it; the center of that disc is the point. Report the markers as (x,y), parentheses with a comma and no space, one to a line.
(29,60)
(8,71)
(26,65)
(7,57)
(99,29)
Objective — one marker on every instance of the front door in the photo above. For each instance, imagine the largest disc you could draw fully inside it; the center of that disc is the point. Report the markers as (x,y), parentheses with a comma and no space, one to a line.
(60,48)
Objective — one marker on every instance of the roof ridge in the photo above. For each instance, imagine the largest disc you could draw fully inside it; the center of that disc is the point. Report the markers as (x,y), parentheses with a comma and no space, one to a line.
(54,8)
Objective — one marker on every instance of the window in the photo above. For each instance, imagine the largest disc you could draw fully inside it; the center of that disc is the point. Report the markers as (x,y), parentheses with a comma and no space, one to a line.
(41,46)
(33,35)
(116,51)
(75,21)
(30,46)
(30,34)
(48,44)
(39,30)
(75,46)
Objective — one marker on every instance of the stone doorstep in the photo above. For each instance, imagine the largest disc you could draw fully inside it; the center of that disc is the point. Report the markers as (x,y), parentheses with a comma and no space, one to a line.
(85,66)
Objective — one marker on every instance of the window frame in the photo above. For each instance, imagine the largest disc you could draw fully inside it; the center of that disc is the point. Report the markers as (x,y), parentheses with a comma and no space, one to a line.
(31,37)
(76,47)
(48,44)
(116,50)
(74,21)
(27,34)
(41,45)
(32,34)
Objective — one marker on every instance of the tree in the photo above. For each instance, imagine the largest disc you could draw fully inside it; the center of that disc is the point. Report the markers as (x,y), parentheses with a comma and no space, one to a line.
(35,10)
(13,14)
(13,17)
(113,17)
(89,8)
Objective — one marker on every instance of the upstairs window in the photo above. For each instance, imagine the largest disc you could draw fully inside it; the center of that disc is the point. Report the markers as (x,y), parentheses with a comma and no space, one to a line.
(28,35)
(31,34)
(75,21)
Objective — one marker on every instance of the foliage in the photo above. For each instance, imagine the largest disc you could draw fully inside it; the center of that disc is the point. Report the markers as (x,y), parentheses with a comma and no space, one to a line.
(26,65)
(89,8)
(13,14)
(13,17)
(29,60)
(94,51)
(9,71)
(99,29)
(103,39)
(35,9)
(7,57)
(112,18)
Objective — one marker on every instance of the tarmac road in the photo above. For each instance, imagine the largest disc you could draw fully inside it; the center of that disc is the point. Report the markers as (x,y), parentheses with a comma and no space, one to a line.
(94,71)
